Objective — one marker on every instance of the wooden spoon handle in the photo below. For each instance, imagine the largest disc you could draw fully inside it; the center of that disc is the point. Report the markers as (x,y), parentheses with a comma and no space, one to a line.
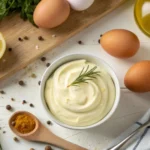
(48,137)
(59,142)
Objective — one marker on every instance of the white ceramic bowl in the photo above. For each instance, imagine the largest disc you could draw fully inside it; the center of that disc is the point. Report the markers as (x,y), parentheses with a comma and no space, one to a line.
(57,63)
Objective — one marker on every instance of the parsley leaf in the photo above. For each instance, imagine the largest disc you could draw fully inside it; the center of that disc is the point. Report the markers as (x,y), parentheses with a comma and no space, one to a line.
(24,7)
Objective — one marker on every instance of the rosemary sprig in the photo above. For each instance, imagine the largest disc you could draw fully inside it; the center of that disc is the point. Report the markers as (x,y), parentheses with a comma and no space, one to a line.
(85,75)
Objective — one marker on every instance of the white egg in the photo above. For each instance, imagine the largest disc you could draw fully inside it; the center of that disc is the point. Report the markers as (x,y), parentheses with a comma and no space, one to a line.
(80,5)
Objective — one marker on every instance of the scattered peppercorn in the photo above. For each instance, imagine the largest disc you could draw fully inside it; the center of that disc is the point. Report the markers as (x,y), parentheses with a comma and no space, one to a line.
(39,83)
(8,107)
(43,59)
(4,132)
(80,42)
(33,75)
(40,38)
(99,41)
(20,39)
(13,123)
(101,35)
(48,64)
(10,49)
(48,148)
(48,122)
(16,139)
(24,102)
(31,105)
(32,149)
(12,99)
(21,83)
(26,38)
(2,92)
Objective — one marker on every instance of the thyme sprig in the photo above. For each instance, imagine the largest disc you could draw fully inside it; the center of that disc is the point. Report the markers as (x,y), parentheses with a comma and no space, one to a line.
(85,75)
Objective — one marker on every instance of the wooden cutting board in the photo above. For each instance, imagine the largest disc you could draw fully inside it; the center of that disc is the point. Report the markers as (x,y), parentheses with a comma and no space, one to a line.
(27,51)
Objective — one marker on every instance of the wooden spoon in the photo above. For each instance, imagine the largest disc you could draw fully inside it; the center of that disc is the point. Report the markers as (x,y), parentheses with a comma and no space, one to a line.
(42,134)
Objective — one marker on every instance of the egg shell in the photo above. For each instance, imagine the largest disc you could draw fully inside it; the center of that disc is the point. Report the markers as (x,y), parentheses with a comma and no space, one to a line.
(120,43)
(80,5)
(137,78)
(51,13)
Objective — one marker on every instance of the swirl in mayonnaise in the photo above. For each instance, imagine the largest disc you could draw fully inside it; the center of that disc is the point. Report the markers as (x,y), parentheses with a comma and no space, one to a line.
(81,105)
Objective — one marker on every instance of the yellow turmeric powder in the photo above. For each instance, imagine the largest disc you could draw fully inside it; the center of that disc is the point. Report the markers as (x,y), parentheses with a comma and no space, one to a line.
(24,123)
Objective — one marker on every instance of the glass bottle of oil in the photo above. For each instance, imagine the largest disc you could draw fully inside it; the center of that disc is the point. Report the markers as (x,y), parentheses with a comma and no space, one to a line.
(142,15)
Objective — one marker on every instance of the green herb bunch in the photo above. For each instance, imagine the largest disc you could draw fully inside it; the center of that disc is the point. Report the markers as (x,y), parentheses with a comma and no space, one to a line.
(24,7)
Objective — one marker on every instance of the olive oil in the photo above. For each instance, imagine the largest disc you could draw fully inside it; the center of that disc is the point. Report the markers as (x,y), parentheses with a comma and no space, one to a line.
(142,15)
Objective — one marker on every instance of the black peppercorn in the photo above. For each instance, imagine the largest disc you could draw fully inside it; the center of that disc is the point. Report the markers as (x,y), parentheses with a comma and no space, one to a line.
(43,59)
(21,83)
(31,105)
(80,42)
(48,64)
(39,83)
(48,122)
(40,38)
(26,38)
(24,102)
(16,139)
(8,107)
(20,39)
(2,92)
(48,148)
(12,99)
(10,49)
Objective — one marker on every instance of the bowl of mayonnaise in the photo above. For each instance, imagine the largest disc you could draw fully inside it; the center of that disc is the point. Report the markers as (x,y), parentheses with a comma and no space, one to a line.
(79,91)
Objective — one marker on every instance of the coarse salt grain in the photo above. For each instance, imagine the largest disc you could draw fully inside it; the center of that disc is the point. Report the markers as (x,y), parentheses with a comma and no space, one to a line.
(53,36)
(36,47)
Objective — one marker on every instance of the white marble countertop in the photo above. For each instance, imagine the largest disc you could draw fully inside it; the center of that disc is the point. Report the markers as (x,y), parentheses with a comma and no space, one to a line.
(132,105)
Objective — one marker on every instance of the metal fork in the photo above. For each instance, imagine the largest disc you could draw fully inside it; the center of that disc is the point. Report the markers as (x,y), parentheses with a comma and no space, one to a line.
(123,142)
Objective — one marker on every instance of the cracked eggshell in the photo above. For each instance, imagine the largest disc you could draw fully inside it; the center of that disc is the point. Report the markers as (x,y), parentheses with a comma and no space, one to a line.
(80,5)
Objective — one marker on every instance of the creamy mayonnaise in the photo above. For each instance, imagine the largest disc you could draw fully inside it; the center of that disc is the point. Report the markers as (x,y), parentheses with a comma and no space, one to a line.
(81,105)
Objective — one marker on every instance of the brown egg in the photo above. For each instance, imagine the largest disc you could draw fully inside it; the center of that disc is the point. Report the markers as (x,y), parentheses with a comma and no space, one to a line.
(137,78)
(51,13)
(120,43)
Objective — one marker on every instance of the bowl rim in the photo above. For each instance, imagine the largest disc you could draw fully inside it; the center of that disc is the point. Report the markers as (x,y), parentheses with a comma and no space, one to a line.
(115,80)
